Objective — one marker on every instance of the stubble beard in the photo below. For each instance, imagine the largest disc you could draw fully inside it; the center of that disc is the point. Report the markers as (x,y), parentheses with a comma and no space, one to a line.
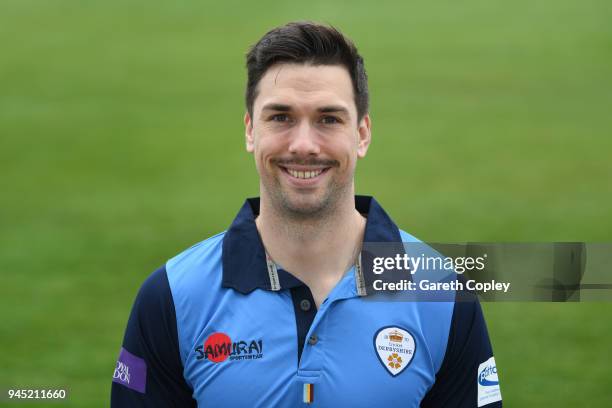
(292,207)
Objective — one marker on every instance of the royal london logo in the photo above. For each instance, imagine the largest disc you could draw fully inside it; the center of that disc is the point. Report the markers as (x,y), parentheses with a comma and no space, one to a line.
(395,348)
(218,347)
(122,373)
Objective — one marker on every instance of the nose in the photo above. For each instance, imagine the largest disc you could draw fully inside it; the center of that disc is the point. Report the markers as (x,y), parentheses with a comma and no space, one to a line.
(304,141)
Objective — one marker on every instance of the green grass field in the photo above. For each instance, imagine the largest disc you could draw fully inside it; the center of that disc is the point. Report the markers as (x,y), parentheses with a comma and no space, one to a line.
(121,144)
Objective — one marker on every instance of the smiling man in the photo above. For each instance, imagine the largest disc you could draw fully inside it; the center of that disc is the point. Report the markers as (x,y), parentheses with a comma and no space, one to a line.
(273,311)
(306,134)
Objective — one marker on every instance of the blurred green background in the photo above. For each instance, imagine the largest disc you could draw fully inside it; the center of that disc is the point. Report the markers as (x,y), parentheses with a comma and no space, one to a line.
(121,144)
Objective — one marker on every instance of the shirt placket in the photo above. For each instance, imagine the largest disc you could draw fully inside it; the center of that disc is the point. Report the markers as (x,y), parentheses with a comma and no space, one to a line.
(312,361)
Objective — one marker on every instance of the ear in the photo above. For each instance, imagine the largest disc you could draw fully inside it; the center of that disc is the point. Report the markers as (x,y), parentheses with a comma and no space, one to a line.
(248,133)
(365,136)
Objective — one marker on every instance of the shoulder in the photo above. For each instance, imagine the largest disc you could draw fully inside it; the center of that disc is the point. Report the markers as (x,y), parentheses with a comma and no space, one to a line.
(462,344)
(406,237)
(195,283)
(197,264)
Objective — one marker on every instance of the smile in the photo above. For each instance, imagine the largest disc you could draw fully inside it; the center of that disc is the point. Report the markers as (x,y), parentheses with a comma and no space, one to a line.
(304,174)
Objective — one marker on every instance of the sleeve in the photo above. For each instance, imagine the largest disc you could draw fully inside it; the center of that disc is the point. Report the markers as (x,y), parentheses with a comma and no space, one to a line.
(468,374)
(149,371)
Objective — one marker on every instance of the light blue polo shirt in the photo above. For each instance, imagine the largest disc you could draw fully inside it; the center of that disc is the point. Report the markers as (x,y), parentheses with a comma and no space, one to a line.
(216,327)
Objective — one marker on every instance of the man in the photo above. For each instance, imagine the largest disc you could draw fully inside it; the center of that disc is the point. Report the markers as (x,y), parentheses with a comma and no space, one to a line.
(273,311)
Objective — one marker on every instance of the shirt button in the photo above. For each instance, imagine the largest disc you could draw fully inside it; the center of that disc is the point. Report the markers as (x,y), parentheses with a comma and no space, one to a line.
(305,305)
(312,340)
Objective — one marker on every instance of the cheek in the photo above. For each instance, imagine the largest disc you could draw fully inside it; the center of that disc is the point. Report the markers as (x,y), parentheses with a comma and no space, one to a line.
(264,150)
(272,145)
(346,153)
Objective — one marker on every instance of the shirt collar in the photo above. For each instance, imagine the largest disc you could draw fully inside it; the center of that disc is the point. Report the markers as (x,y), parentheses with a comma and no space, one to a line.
(244,256)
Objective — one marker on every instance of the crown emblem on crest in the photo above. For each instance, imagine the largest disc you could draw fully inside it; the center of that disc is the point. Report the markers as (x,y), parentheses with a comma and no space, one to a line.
(396,336)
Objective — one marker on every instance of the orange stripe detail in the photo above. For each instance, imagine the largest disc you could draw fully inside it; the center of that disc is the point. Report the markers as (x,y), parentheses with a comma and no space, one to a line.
(308,393)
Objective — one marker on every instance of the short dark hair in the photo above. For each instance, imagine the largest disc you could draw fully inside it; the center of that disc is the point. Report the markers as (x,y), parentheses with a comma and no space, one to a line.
(306,42)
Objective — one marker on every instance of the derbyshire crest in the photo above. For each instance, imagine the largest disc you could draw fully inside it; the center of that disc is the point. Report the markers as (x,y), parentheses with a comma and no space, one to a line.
(395,348)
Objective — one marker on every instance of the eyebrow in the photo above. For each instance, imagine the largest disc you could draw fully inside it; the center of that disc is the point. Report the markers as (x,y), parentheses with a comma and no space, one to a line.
(333,109)
(279,107)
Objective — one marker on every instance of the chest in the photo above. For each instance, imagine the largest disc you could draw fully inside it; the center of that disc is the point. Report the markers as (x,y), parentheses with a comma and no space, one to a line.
(249,356)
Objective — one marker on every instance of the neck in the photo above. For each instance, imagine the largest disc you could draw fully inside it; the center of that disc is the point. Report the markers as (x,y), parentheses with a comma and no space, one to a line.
(318,250)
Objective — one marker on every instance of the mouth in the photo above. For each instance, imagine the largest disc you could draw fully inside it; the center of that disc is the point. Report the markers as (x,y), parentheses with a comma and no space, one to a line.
(304,174)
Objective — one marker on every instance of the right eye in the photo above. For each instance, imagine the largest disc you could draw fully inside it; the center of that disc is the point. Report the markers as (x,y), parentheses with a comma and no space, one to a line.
(280,117)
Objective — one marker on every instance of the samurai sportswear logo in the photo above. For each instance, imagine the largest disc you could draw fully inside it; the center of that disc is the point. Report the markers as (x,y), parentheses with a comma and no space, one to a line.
(488,383)
(218,347)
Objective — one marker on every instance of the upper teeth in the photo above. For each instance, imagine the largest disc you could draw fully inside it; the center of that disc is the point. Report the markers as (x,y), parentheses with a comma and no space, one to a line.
(305,174)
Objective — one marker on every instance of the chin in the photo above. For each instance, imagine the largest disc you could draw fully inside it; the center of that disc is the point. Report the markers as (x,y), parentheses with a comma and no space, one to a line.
(306,206)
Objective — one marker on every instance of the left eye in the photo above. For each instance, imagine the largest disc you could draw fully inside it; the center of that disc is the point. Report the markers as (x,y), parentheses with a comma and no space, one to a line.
(280,118)
(329,120)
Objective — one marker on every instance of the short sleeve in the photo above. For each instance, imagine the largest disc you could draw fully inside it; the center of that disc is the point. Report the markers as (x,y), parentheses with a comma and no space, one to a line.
(468,374)
(149,371)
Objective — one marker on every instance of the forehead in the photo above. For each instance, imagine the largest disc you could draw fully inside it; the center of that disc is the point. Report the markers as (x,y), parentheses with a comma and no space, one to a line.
(304,86)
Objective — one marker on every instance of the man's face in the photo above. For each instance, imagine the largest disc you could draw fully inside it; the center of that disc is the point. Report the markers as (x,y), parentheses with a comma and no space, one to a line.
(305,137)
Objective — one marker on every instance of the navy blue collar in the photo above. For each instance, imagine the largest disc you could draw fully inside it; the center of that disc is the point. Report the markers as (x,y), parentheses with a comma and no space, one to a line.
(244,256)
